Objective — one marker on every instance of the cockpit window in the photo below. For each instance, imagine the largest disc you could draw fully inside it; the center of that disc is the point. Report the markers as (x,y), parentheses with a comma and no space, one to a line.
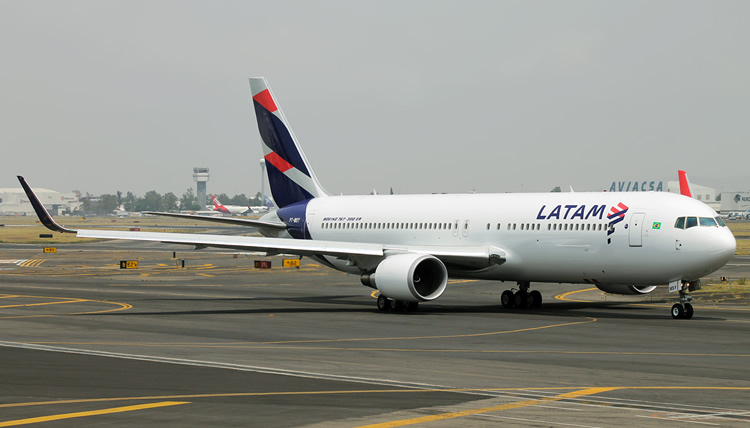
(688,222)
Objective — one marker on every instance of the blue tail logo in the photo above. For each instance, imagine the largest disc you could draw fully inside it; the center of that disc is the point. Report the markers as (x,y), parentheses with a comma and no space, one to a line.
(289,173)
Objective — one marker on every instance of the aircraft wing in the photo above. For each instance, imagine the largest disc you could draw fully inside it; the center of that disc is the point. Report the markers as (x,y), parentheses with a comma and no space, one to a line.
(244,243)
(226,220)
(477,256)
(358,252)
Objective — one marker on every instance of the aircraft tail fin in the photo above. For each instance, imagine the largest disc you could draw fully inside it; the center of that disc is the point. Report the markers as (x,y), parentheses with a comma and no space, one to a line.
(289,173)
(685,188)
(216,202)
(268,202)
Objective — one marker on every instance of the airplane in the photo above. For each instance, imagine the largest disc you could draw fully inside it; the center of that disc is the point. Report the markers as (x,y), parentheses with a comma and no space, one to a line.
(228,209)
(268,203)
(267,206)
(685,188)
(408,246)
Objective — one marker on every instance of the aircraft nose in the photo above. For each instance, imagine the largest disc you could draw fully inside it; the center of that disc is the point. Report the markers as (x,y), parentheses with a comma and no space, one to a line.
(724,247)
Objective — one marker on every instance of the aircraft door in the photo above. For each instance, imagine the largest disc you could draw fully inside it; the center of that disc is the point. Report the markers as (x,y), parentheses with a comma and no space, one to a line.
(466,228)
(308,223)
(636,229)
(455,228)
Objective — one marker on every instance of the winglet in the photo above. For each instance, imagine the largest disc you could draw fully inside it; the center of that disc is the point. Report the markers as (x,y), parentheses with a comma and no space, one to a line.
(41,212)
(685,188)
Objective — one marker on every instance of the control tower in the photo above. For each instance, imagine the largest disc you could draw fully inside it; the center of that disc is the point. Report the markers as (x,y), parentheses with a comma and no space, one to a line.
(200,176)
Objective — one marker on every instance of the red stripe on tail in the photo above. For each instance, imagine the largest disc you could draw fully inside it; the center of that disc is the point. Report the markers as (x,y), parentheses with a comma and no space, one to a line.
(278,162)
(684,184)
(266,100)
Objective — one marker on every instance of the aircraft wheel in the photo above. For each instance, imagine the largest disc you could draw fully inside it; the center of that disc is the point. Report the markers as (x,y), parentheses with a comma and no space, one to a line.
(688,311)
(506,299)
(535,299)
(677,311)
(399,305)
(521,299)
(412,306)
(383,304)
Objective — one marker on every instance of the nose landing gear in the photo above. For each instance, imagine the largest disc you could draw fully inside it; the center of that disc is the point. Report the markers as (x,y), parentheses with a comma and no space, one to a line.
(683,309)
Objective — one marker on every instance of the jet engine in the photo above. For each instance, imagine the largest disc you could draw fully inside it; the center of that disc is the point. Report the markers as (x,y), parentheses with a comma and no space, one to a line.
(626,289)
(409,277)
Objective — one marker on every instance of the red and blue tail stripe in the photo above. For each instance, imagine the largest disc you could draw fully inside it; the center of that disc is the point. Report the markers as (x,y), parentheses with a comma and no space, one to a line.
(289,173)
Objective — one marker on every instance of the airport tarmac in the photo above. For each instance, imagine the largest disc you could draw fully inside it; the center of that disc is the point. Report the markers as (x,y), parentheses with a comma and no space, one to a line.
(220,343)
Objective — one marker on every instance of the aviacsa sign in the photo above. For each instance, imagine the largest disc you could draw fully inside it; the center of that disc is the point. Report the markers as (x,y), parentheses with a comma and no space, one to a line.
(637,186)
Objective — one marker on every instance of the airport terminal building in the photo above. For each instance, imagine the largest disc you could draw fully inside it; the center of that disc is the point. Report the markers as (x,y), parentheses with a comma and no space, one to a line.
(735,202)
(15,201)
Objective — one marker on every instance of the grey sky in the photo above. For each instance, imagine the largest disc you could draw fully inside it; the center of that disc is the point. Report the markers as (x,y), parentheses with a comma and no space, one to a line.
(424,96)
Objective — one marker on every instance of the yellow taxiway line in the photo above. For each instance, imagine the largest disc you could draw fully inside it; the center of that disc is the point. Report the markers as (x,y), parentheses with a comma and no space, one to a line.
(469,412)
(90,413)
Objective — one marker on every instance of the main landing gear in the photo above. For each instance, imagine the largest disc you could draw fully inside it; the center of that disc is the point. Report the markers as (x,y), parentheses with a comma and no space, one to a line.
(385,304)
(683,309)
(523,298)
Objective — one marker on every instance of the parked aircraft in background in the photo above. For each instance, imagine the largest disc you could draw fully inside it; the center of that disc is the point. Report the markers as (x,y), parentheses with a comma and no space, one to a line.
(268,203)
(228,209)
(267,206)
(685,188)
(408,246)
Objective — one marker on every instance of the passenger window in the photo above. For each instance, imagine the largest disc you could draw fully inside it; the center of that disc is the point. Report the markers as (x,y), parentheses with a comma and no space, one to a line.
(691,222)
(707,221)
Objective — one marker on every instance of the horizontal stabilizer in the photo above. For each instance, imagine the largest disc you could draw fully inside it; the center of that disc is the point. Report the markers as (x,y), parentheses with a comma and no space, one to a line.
(226,220)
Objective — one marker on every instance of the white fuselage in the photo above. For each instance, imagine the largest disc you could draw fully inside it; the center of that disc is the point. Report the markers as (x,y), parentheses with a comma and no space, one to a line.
(232,209)
(546,237)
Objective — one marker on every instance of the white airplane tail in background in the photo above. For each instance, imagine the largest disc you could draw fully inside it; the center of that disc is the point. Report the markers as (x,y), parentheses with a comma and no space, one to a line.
(289,173)
(268,203)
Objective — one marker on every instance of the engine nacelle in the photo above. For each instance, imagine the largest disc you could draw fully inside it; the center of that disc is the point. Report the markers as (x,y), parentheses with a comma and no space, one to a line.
(409,277)
(626,289)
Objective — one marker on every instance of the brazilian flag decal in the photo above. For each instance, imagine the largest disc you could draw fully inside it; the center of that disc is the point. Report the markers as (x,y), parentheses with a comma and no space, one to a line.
(657,225)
